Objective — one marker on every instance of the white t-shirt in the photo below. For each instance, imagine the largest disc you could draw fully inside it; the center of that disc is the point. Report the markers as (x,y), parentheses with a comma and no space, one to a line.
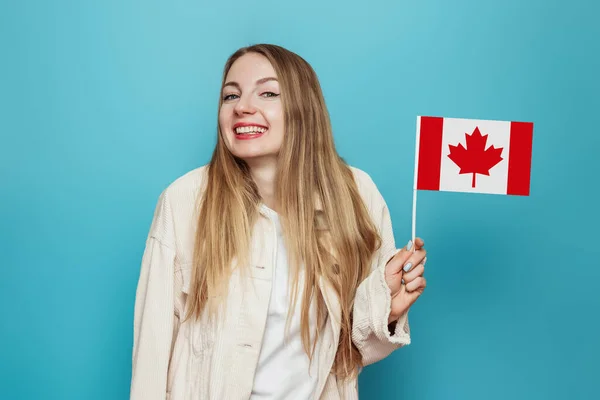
(283,368)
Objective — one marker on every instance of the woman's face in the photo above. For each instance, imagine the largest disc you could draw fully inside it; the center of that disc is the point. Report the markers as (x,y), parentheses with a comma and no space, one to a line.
(251,116)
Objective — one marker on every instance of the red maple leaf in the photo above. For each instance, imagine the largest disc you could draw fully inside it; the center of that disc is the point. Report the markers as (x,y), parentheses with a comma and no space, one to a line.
(475,158)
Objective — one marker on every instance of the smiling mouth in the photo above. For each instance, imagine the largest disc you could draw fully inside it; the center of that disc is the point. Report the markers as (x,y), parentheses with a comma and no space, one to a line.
(249,130)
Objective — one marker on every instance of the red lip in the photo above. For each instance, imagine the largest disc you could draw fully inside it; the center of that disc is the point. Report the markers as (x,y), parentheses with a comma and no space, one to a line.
(248,137)
(241,124)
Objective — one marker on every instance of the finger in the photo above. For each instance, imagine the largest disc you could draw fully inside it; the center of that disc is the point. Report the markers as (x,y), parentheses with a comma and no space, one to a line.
(415,259)
(418,283)
(414,273)
(395,264)
(419,243)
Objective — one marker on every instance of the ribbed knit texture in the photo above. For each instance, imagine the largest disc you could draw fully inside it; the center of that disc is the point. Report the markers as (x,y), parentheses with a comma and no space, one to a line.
(195,360)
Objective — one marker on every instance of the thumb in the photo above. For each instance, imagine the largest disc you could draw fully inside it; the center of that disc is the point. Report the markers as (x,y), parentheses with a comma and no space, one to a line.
(394,266)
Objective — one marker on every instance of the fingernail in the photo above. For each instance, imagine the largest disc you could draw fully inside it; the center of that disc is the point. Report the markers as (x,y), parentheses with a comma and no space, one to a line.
(403,281)
(407,267)
(409,245)
(424,261)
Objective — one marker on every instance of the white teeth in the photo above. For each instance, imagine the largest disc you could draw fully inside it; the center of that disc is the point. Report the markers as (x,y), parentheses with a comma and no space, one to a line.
(250,130)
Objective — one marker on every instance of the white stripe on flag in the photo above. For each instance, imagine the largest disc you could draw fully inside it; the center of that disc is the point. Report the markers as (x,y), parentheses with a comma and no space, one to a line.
(455,132)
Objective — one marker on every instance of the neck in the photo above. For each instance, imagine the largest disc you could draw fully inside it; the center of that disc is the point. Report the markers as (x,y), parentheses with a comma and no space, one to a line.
(264,173)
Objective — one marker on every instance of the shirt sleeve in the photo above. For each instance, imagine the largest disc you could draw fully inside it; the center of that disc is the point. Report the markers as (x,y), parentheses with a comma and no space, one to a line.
(372,306)
(154,313)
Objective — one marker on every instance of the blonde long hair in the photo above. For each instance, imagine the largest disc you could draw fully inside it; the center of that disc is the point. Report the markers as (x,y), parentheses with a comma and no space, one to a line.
(335,242)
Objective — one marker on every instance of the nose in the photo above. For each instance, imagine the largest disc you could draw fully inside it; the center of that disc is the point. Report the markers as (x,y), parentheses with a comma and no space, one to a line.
(244,106)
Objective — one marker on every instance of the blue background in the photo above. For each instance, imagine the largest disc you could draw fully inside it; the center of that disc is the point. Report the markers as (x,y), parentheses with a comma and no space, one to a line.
(103,104)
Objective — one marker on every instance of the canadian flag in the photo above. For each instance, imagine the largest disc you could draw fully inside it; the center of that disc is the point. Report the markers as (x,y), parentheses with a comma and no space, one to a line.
(472,155)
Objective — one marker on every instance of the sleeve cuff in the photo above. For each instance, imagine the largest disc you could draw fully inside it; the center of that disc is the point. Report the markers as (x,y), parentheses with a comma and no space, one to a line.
(372,307)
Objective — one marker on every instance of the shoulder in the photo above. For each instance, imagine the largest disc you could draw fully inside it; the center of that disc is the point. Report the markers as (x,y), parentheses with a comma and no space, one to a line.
(185,186)
(177,203)
(369,192)
(368,189)
(362,178)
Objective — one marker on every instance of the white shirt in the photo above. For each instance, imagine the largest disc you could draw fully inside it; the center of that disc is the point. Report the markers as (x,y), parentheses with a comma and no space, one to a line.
(283,367)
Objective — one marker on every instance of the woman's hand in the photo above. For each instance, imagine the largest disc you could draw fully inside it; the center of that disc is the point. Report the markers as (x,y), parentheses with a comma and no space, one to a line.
(404,276)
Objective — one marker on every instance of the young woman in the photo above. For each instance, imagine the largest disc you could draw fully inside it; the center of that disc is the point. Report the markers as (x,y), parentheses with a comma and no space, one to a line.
(271,272)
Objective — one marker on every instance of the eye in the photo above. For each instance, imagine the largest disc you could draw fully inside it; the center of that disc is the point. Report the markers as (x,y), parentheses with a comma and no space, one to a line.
(229,97)
(269,94)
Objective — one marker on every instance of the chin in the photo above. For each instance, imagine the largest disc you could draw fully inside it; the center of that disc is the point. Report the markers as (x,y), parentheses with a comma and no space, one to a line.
(255,155)
(253,150)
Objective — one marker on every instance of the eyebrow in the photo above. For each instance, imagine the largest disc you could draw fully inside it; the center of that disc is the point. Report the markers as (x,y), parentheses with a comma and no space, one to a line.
(258,82)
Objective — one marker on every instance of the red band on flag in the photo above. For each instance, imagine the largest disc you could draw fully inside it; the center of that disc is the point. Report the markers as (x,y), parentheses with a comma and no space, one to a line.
(519,161)
(430,153)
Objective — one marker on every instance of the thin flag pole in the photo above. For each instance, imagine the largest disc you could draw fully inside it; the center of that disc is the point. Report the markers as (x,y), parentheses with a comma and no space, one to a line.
(414,208)
(414,216)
